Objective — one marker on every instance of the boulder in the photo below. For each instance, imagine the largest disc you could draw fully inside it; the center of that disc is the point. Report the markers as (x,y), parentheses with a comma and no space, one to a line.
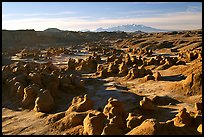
(30,95)
(104,73)
(51,82)
(88,65)
(72,119)
(65,83)
(44,102)
(94,124)
(148,127)
(128,61)
(133,121)
(142,71)
(81,104)
(114,108)
(116,126)
(14,87)
(132,74)
(183,118)
(123,69)
(113,68)
(146,104)
(112,129)
(55,117)
(71,64)
(35,78)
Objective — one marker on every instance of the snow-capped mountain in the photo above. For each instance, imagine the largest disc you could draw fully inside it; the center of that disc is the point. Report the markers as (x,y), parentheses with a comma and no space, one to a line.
(131,28)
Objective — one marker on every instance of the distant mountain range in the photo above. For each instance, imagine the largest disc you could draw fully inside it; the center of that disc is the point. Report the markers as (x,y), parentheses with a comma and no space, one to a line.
(125,28)
(52,30)
(131,28)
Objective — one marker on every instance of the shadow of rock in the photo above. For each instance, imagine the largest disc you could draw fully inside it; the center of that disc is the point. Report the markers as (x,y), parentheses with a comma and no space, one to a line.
(173,78)
(164,100)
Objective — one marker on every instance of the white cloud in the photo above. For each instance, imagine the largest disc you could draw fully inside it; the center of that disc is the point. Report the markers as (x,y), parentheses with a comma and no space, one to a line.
(140,12)
(38,14)
(176,20)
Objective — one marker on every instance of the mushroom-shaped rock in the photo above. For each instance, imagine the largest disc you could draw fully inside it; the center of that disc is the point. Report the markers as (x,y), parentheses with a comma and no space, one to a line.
(103,73)
(123,69)
(94,124)
(128,61)
(133,121)
(132,73)
(116,126)
(183,118)
(113,68)
(146,104)
(35,78)
(51,83)
(80,104)
(114,108)
(44,102)
(30,94)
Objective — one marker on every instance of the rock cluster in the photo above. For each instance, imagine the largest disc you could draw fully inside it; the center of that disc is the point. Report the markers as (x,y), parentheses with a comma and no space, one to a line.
(37,86)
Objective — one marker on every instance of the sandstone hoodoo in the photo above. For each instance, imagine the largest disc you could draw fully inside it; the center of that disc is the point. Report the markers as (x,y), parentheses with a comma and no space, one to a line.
(44,102)
(58,82)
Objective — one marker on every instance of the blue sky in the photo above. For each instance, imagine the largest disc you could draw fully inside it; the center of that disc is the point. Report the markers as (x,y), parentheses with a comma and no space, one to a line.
(92,15)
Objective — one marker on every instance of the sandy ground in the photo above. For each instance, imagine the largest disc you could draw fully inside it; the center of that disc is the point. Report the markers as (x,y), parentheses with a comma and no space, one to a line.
(28,122)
